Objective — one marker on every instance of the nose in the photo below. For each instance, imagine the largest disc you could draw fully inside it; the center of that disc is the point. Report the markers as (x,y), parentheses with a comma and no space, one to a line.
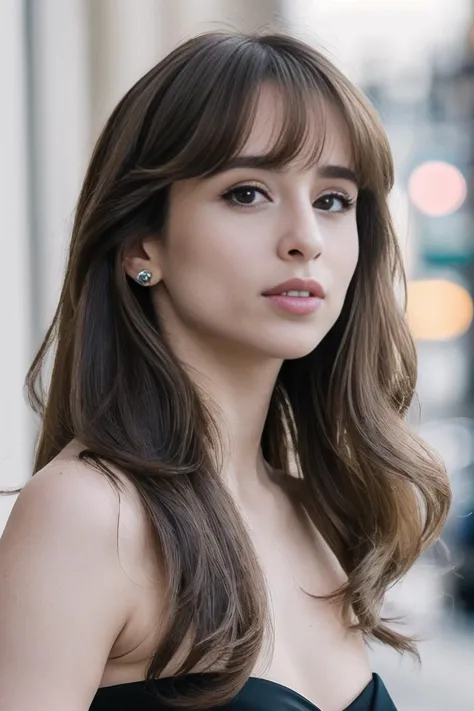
(301,237)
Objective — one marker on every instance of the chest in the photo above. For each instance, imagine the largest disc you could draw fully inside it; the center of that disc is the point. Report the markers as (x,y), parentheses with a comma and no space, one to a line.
(312,651)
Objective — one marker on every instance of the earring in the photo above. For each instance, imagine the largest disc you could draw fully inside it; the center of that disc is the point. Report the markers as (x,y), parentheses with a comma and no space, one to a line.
(144,277)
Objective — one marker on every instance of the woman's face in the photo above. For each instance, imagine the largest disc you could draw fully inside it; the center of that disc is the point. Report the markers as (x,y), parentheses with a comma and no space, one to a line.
(232,237)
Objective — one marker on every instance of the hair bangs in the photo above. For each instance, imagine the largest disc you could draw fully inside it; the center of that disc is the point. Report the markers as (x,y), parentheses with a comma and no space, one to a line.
(219,132)
(299,131)
(308,84)
(223,86)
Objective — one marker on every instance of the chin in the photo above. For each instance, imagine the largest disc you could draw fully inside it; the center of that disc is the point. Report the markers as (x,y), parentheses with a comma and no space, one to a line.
(292,348)
(295,351)
(294,341)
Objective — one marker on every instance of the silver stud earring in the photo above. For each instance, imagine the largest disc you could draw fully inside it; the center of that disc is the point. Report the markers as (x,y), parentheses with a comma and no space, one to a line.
(144,277)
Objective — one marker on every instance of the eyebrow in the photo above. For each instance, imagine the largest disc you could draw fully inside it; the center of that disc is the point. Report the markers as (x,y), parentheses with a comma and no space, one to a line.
(262,162)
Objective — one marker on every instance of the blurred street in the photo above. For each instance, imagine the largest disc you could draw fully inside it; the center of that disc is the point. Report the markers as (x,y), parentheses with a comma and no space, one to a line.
(445,680)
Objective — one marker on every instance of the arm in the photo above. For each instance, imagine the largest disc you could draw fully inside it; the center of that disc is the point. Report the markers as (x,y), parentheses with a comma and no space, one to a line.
(64,597)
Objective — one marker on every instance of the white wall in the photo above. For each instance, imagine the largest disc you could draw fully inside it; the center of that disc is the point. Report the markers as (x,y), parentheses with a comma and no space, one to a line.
(14,282)
(59,67)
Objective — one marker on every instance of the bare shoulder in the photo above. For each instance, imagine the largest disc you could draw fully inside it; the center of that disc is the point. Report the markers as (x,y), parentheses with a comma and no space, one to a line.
(70,565)
(115,503)
(68,482)
(70,493)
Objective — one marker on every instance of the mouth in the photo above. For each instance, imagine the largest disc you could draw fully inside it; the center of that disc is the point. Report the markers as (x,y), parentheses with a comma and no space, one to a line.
(297,288)
(296,296)
(294,292)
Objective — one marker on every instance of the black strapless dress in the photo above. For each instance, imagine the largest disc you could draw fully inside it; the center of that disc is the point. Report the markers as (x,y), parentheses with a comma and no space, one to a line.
(256,695)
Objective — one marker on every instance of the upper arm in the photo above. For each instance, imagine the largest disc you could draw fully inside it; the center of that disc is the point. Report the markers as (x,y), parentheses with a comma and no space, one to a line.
(64,596)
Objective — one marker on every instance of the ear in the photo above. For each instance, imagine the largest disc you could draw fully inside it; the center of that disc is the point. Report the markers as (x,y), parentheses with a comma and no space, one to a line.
(144,255)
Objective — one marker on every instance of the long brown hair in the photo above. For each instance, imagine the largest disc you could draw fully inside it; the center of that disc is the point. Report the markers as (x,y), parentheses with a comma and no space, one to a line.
(376,493)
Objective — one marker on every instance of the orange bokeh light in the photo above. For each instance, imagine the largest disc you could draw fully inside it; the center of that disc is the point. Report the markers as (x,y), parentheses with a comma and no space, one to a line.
(437,188)
(438,309)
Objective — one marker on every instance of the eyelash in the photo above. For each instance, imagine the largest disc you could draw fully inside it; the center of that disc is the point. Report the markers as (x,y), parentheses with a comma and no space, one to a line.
(346,201)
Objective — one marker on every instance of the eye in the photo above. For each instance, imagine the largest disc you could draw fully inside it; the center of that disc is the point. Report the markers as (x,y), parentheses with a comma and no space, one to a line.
(245,196)
(334,202)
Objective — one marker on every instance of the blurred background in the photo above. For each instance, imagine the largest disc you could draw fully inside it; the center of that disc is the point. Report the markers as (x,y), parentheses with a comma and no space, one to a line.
(63,66)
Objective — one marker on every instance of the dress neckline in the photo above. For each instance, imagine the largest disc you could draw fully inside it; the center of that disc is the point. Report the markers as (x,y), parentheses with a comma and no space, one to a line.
(252,680)
(304,699)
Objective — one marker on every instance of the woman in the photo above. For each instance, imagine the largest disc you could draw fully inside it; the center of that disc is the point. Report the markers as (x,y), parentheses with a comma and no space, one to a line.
(225,487)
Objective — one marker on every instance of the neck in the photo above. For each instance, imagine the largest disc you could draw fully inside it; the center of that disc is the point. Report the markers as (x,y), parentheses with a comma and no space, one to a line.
(237,389)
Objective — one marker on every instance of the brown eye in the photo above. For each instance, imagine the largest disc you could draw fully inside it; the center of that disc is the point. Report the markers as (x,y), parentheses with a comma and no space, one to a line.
(334,202)
(244,196)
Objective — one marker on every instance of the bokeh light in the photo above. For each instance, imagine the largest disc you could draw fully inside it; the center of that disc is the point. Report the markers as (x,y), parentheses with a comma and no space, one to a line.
(437,188)
(438,309)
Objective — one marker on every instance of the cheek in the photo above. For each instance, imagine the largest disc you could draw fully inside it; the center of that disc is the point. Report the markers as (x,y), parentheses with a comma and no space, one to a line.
(353,256)
(204,263)
(215,243)
(201,237)
(344,256)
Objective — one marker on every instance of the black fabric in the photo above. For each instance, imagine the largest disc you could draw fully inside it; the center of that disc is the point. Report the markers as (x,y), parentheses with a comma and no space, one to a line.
(256,695)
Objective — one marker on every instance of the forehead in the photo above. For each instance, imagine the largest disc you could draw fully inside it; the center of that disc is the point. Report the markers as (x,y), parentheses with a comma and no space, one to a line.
(325,128)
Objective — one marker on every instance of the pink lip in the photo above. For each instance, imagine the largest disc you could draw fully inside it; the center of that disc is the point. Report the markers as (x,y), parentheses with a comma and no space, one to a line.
(295,304)
(314,287)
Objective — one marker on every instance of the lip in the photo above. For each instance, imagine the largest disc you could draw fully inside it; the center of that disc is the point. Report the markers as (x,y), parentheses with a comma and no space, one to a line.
(311,285)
